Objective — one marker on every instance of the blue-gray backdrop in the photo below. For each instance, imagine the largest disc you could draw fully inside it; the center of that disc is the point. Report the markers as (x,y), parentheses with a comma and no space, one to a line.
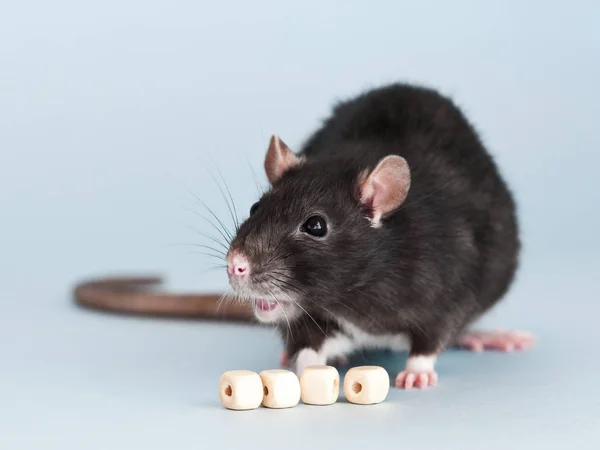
(111,111)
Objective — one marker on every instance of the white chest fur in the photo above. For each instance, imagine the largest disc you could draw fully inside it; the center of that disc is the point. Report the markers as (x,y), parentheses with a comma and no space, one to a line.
(353,338)
(350,339)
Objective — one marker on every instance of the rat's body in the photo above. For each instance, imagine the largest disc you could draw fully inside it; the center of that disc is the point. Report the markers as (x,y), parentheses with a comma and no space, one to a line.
(391,228)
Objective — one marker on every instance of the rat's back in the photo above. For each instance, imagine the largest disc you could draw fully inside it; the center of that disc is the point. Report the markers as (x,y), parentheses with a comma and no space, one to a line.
(421,124)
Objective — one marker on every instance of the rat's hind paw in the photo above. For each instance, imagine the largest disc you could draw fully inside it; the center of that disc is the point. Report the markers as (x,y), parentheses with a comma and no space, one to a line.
(408,379)
(505,341)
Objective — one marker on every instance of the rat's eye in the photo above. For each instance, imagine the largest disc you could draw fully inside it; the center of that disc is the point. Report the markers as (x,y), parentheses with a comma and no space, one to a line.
(315,226)
(253,208)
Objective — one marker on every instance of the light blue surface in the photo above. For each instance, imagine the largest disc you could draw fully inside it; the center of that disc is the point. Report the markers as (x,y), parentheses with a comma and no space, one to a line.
(108,112)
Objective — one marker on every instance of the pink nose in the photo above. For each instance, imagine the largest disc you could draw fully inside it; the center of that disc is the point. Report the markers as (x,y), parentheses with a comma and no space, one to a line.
(237,265)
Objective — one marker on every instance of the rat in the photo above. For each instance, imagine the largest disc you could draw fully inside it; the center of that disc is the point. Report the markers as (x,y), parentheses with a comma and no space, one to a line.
(392,228)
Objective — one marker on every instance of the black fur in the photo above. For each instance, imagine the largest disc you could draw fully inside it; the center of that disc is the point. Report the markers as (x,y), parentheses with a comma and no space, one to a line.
(442,259)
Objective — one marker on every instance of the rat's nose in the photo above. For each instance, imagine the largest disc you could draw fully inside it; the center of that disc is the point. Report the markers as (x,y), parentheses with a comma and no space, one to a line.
(237,265)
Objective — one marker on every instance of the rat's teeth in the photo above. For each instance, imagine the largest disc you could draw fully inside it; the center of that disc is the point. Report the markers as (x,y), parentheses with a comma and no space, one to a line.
(266,305)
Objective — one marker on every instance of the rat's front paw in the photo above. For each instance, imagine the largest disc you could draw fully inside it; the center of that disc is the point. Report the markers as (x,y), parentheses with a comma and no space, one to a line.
(284,361)
(340,361)
(307,357)
(408,379)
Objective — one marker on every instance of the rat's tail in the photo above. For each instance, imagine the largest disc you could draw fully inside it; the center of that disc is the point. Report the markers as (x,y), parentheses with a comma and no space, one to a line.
(138,296)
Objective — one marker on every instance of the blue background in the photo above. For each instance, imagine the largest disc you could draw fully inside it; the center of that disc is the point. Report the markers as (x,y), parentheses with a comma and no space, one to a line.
(110,111)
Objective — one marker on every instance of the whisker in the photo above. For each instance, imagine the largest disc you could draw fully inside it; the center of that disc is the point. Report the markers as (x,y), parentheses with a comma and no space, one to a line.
(222,300)
(284,256)
(259,187)
(311,317)
(284,314)
(212,214)
(208,247)
(212,238)
(237,223)
(286,283)
(272,259)
(233,211)
(228,240)
(220,258)
(220,267)
(305,311)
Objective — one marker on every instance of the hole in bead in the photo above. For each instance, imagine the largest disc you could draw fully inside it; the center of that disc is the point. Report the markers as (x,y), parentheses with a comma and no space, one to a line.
(228,391)
(357,387)
(266,390)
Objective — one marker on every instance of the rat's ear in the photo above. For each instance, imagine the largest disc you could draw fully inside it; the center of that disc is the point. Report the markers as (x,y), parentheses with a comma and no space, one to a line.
(385,188)
(279,159)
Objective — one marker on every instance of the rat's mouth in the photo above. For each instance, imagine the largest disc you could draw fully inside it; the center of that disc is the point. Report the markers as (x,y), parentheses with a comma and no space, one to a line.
(265,305)
(269,310)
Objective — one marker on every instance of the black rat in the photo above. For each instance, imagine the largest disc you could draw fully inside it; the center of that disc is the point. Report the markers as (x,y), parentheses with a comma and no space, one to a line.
(391,228)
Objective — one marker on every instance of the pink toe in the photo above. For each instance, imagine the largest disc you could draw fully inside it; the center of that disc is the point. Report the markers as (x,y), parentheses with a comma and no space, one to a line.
(524,345)
(502,345)
(409,382)
(400,379)
(422,380)
(472,344)
(433,379)
(476,346)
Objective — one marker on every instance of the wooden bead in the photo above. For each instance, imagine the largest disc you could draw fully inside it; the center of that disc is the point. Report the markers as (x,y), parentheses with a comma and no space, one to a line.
(281,388)
(366,385)
(320,385)
(240,390)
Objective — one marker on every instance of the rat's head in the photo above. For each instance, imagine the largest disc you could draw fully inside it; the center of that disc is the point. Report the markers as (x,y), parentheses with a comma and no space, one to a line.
(312,232)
